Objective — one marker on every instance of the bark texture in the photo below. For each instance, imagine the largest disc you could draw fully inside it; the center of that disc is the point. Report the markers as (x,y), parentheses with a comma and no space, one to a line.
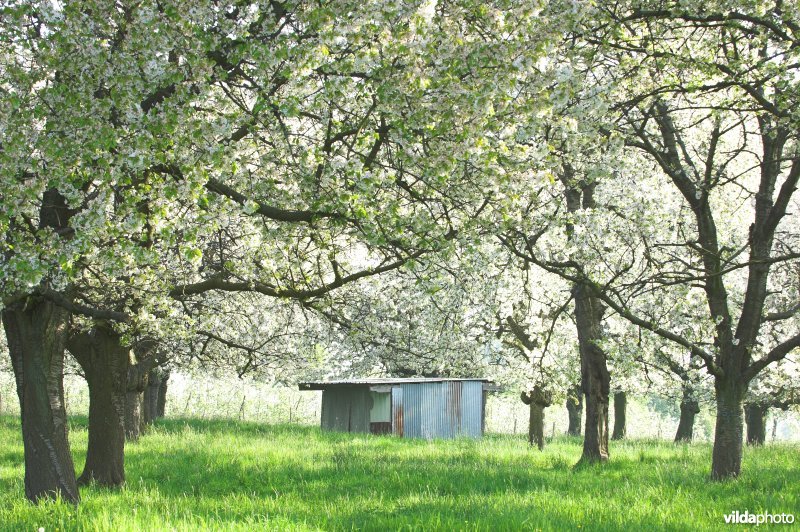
(575,410)
(104,361)
(161,405)
(755,416)
(620,412)
(36,336)
(134,399)
(150,399)
(537,400)
(595,378)
(138,373)
(726,461)
(689,409)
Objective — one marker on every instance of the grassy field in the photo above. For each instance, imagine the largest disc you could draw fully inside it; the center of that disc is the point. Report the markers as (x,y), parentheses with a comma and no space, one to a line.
(189,474)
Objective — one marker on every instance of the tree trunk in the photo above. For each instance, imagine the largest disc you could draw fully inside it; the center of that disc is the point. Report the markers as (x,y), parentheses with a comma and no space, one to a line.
(620,406)
(689,409)
(138,373)
(133,415)
(575,411)
(36,336)
(726,459)
(162,395)
(150,401)
(538,400)
(595,379)
(536,425)
(104,361)
(755,417)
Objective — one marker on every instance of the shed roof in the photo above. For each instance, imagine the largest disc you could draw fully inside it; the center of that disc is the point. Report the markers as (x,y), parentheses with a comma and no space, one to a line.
(321,385)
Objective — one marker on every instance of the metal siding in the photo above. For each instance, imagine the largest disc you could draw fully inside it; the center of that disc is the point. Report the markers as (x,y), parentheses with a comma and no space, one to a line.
(346,409)
(471,408)
(433,408)
(397,411)
(335,410)
(360,405)
(414,397)
(428,410)
(454,408)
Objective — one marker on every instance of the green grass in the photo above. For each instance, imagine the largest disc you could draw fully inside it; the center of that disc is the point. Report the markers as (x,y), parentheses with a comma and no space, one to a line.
(191,474)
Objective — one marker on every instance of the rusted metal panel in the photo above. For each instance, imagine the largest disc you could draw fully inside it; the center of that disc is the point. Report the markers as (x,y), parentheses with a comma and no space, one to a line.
(397,411)
(441,409)
(471,409)
(432,410)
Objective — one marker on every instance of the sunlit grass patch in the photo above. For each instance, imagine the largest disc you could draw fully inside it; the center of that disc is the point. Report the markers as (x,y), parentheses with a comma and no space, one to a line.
(192,474)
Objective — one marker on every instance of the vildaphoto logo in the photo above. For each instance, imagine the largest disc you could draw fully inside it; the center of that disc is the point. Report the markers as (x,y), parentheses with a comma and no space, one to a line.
(764,518)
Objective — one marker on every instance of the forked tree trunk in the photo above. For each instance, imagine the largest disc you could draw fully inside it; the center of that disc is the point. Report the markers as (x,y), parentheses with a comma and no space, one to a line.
(36,336)
(161,405)
(620,407)
(104,361)
(689,409)
(595,378)
(537,400)
(726,461)
(755,417)
(575,411)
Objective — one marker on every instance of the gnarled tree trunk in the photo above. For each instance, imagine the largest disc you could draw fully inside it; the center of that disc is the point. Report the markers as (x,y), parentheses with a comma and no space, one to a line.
(595,378)
(575,411)
(134,399)
(138,373)
(150,400)
(538,400)
(161,404)
(689,409)
(755,417)
(620,407)
(36,336)
(726,458)
(104,361)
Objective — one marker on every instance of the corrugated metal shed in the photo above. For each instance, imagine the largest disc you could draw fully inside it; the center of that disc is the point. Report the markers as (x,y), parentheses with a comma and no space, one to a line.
(321,385)
(419,408)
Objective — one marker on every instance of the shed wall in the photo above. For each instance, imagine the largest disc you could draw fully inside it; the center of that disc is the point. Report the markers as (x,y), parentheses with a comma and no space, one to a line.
(428,410)
(346,409)
(472,409)
(441,410)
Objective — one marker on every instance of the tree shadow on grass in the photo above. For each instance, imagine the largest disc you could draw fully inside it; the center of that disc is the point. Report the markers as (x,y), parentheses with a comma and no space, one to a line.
(228,426)
(225,473)
(348,472)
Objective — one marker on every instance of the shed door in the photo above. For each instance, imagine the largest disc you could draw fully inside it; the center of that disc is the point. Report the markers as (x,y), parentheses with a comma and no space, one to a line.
(380,415)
